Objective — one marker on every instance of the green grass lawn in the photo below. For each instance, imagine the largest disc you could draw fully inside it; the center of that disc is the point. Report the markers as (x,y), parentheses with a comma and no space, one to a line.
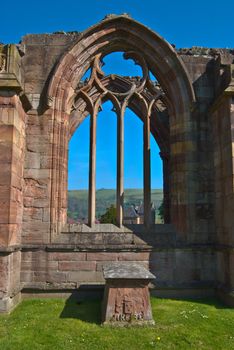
(56,324)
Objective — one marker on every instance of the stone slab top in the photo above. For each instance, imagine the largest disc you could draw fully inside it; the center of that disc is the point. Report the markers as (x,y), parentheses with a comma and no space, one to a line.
(126,270)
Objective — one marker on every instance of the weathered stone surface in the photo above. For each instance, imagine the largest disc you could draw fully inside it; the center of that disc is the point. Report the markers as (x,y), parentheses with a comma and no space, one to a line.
(193,124)
(128,270)
(126,298)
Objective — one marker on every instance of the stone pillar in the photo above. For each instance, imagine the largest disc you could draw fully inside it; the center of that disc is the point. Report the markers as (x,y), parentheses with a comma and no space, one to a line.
(166,192)
(12,150)
(147,177)
(120,168)
(12,138)
(183,166)
(223,126)
(92,169)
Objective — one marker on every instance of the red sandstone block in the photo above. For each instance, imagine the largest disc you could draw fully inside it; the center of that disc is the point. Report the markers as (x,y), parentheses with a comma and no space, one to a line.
(16,181)
(134,256)
(35,227)
(4,265)
(37,174)
(8,193)
(5,209)
(34,256)
(9,234)
(6,133)
(30,237)
(39,265)
(16,259)
(46,215)
(41,203)
(17,165)
(28,202)
(4,235)
(70,256)
(14,234)
(39,276)
(26,276)
(26,256)
(102,256)
(34,145)
(32,214)
(4,281)
(32,160)
(5,193)
(16,195)
(46,162)
(5,175)
(36,188)
(52,276)
(34,129)
(77,265)
(86,276)
(5,153)
(15,212)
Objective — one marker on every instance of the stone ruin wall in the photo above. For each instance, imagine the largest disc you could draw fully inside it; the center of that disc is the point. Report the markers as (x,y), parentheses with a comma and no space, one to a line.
(31,258)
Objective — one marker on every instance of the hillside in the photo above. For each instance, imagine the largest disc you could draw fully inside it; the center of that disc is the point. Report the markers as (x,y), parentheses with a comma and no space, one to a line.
(78,200)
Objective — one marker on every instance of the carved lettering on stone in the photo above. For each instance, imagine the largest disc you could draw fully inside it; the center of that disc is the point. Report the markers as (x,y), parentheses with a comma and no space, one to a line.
(129,305)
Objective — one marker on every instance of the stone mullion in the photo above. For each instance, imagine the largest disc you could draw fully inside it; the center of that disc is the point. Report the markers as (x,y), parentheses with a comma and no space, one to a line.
(92,168)
(166,191)
(147,174)
(120,167)
(54,204)
(63,174)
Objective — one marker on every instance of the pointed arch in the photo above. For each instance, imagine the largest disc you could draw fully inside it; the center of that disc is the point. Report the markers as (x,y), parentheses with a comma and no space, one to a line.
(121,33)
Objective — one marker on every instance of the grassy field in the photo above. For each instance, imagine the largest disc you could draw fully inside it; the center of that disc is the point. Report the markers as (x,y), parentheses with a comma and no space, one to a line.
(56,324)
(78,200)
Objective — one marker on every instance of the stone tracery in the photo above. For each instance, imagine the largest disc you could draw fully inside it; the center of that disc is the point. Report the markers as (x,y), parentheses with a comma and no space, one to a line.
(93,92)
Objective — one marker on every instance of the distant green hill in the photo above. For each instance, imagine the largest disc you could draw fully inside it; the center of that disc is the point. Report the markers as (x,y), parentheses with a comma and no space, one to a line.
(78,200)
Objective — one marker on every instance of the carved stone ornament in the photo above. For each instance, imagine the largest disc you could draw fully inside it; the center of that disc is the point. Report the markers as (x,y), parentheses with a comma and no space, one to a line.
(50,101)
(2,62)
(120,100)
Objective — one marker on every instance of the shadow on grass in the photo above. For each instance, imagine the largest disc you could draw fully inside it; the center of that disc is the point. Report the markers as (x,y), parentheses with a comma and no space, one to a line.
(212,301)
(86,311)
(90,310)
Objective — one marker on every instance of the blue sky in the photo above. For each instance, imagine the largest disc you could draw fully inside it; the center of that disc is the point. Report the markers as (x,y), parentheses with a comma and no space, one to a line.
(106,153)
(106,142)
(183,23)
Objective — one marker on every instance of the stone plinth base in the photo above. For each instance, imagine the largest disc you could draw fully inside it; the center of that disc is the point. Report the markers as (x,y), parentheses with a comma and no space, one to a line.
(9,303)
(126,298)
